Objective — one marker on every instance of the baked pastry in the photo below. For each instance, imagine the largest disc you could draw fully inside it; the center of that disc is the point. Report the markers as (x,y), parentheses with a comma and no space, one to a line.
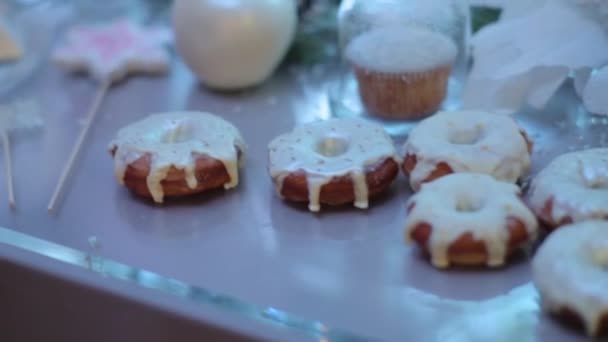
(471,219)
(402,72)
(570,270)
(10,49)
(572,188)
(466,141)
(177,154)
(333,162)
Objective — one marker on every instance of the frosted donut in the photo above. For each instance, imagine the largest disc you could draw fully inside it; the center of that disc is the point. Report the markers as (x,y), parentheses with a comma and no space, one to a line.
(466,141)
(177,154)
(467,218)
(333,162)
(572,188)
(570,271)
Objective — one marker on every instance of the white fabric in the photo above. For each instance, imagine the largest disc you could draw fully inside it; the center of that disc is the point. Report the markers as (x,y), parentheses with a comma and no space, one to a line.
(517,60)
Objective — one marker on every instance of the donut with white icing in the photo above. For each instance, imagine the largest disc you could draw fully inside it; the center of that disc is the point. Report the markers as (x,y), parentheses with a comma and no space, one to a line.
(177,154)
(333,162)
(572,188)
(468,218)
(466,141)
(570,270)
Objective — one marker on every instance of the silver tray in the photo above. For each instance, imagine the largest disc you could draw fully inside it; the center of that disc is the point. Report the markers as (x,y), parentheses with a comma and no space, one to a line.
(344,273)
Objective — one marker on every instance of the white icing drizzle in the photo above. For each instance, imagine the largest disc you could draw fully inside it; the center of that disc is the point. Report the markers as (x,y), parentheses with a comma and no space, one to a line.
(468,141)
(578,184)
(172,140)
(570,270)
(463,203)
(361,190)
(327,149)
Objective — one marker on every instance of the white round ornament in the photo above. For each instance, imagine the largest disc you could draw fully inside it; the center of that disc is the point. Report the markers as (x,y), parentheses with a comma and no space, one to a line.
(233,44)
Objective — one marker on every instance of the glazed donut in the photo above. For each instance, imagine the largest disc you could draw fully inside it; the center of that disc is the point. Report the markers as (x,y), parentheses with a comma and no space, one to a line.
(572,188)
(570,271)
(333,162)
(466,141)
(468,218)
(177,154)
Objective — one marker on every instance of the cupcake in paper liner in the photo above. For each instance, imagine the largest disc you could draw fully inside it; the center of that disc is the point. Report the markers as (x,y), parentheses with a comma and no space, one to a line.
(402,72)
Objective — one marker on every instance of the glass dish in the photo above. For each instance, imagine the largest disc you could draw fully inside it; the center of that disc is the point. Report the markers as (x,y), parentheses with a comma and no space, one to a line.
(449,18)
(34,36)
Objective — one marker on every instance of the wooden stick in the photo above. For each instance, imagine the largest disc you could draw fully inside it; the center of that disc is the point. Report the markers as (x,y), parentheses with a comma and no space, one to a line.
(9,168)
(101,93)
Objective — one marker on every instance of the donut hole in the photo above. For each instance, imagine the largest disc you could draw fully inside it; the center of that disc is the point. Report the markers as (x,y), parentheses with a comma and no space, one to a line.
(178,132)
(597,185)
(467,204)
(594,176)
(468,136)
(332,146)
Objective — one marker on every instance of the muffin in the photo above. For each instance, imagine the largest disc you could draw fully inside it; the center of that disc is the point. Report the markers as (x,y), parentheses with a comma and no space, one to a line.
(402,72)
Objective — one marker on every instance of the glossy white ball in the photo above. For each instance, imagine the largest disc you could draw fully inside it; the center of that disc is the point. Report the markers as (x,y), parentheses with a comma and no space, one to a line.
(233,44)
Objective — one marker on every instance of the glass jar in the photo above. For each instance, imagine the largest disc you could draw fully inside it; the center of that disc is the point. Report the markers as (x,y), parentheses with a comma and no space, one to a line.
(142,11)
(94,10)
(22,25)
(402,60)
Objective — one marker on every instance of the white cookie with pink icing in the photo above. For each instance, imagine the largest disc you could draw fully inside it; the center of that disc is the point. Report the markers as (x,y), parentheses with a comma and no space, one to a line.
(112,51)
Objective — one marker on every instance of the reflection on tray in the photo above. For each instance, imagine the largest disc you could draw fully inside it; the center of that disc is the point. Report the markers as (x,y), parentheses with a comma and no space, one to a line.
(509,317)
(115,270)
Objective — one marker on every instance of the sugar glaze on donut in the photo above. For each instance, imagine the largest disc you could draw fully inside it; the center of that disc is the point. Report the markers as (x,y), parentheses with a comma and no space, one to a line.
(325,150)
(570,271)
(466,141)
(468,203)
(572,188)
(172,140)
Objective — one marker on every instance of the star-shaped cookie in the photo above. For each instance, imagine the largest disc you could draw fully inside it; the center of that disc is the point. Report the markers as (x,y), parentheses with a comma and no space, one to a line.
(112,51)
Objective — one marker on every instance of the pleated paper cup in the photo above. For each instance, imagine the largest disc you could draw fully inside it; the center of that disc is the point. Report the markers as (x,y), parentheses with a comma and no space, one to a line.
(402,72)
(411,95)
